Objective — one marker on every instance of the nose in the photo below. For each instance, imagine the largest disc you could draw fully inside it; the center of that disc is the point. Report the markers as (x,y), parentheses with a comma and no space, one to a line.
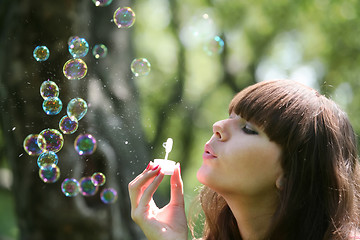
(220,131)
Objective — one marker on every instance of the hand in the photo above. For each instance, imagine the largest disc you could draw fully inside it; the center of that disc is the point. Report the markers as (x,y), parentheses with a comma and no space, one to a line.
(166,223)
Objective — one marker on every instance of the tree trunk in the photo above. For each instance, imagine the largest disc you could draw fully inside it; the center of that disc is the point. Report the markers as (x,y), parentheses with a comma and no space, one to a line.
(43,211)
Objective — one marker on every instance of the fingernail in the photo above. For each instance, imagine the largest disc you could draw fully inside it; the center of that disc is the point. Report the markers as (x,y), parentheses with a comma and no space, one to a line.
(148,166)
(157,166)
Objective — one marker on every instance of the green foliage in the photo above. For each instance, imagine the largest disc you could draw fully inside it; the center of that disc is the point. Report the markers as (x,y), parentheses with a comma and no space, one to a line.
(8,227)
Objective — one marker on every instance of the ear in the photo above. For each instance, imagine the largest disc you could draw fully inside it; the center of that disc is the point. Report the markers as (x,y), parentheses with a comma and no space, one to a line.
(280,182)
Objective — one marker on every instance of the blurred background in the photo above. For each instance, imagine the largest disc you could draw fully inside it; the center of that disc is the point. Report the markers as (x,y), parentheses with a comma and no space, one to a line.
(201,53)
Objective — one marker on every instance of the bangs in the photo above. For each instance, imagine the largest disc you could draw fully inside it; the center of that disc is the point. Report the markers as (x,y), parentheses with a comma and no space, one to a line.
(277,107)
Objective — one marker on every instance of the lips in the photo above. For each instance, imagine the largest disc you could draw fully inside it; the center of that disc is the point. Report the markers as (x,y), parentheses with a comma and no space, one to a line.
(208,152)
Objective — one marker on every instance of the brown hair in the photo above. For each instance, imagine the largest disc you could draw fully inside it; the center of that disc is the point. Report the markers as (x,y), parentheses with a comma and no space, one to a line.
(321,194)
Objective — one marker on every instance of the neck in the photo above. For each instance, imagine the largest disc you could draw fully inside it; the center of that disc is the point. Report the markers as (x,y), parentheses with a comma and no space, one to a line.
(253,214)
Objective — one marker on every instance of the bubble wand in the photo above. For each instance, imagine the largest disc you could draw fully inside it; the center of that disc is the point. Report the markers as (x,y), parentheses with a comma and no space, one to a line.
(168,147)
(167,166)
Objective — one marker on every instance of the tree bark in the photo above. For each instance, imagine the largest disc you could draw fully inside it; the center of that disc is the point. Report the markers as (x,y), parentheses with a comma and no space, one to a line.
(43,211)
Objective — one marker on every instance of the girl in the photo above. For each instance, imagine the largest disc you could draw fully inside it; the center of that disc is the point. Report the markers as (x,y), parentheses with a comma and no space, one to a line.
(283,166)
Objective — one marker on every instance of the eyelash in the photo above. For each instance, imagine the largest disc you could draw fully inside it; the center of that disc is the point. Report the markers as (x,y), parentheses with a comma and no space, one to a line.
(249,131)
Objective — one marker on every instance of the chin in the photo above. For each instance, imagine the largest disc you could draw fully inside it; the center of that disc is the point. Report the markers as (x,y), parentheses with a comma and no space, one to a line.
(203,174)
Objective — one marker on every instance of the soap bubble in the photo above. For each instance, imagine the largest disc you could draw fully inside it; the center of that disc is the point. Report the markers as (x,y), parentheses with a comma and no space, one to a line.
(52,105)
(41,53)
(70,187)
(46,158)
(108,195)
(78,47)
(99,51)
(71,39)
(53,138)
(34,144)
(98,179)
(87,187)
(49,173)
(214,46)
(68,125)
(49,89)
(140,67)
(85,144)
(77,108)
(75,69)
(102,3)
(124,17)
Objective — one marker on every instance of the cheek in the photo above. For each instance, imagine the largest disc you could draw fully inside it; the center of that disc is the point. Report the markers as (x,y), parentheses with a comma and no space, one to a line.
(266,166)
(257,168)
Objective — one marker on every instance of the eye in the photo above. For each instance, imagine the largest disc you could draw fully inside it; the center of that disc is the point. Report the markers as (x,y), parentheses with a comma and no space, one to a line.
(248,130)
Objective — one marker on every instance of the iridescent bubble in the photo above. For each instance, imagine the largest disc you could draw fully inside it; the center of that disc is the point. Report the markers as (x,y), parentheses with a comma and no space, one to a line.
(49,89)
(214,46)
(108,195)
(46,158)
(140,67)
(52,105)
(34,144)
(49,173)
(41,53)
(99,51)
(70,187)
(78,47)
(87,187)
(98,179)
(68,125)
(77,108)
(71,38)
(75,69)
(85,144)
(124,17)
(102,3)
(53,138)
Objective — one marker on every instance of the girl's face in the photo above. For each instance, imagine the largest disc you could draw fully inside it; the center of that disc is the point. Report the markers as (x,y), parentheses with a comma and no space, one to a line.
(240,159)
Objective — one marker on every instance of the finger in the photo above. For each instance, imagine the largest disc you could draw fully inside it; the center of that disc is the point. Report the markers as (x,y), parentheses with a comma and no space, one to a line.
(150,190)
(149,166)
(137,186)
(177,193)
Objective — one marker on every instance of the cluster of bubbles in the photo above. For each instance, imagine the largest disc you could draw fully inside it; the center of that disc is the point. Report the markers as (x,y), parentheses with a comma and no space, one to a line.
(49,142)
(124,17)
(52,104)
(89,186)
(76,68)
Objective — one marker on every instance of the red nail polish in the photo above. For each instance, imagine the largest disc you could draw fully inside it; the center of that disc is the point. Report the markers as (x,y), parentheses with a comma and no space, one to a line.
(148,166)
(157,166)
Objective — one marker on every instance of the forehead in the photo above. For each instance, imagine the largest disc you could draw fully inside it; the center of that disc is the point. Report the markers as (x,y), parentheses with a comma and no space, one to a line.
(274,105)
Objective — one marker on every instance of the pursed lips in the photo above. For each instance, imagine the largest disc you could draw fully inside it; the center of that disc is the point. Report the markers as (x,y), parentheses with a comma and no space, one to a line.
(208,152)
